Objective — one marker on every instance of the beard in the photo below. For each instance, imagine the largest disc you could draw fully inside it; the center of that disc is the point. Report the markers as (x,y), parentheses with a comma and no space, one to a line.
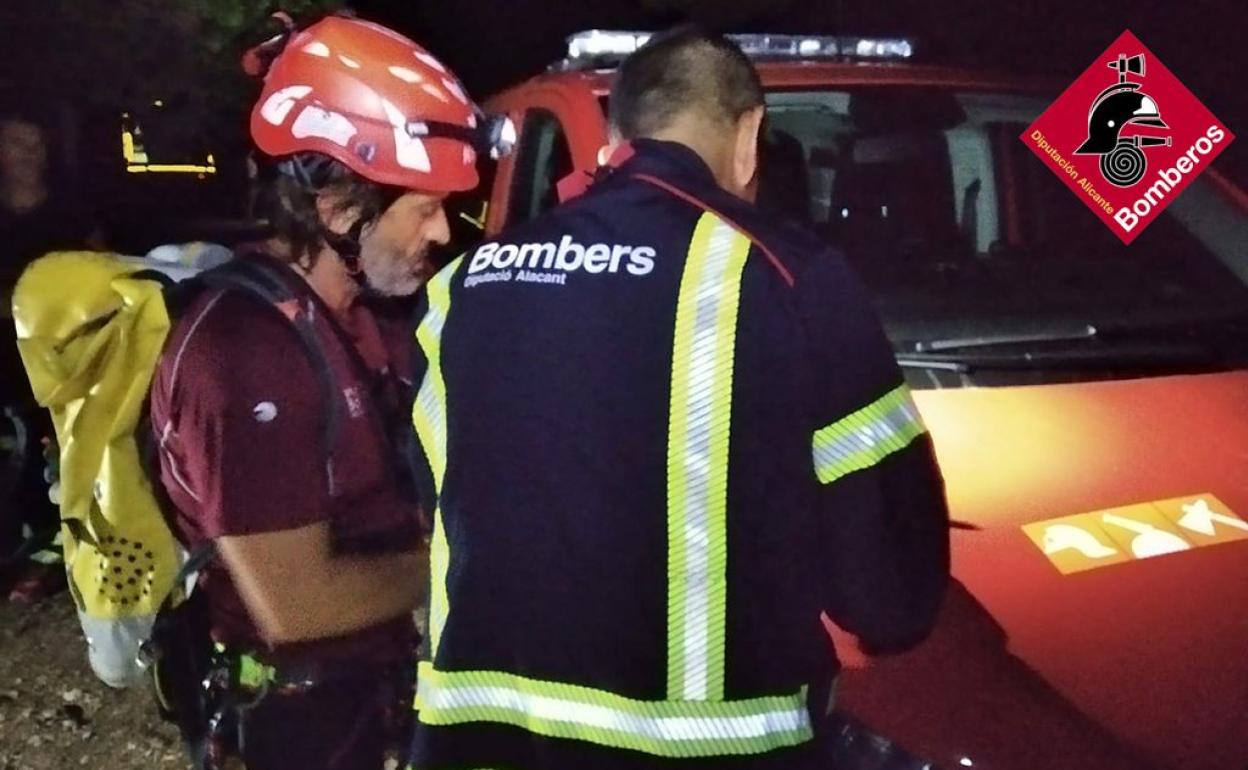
(394,275)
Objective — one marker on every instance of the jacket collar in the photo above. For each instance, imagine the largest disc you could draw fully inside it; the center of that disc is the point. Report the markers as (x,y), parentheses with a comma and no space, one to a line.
(669,161)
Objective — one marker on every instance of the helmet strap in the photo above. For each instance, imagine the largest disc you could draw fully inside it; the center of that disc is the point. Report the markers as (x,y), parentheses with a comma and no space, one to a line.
(309,173)
(347,247)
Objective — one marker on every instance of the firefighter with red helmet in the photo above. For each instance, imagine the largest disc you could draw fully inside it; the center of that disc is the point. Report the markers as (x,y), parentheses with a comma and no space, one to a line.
(319,550)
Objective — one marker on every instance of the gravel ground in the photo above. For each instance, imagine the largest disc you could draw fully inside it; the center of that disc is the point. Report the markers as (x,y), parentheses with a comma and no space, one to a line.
(54,713)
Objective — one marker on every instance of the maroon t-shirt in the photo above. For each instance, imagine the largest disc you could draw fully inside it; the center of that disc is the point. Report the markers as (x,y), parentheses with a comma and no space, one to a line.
(239,413)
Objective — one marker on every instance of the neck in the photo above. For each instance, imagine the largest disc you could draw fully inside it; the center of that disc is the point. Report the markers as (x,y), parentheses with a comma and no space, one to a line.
(708,141)
(328,277)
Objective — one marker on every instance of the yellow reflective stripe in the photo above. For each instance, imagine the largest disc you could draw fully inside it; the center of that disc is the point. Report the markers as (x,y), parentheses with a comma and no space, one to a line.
(670,728)
(439,602)
(700,416)
(429,420)
(676,482)
(865,437)
(429,409)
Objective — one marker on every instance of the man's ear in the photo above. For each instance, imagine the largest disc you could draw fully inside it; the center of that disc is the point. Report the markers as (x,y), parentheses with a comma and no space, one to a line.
(745,149)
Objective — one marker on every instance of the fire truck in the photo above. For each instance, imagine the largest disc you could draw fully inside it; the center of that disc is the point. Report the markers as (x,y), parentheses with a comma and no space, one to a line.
(1088,401)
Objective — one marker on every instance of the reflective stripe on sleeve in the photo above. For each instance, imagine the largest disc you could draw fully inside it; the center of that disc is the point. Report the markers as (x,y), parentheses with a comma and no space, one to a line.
(867,436)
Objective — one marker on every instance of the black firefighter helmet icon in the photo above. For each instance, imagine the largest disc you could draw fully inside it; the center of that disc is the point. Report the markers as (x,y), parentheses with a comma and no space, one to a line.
(1122,161)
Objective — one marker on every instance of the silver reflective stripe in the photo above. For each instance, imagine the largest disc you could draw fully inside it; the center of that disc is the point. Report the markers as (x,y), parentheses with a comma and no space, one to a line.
(671,728)
(666,728)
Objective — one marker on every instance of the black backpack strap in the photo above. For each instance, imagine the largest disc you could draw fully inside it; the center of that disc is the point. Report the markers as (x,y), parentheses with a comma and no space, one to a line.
(151,274)
(383,415)
(199,559)
(267,282)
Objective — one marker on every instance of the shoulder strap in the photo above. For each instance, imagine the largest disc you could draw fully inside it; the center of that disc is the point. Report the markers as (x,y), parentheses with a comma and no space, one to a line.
(366,374)
(199,559)
(267,282)
(382,413)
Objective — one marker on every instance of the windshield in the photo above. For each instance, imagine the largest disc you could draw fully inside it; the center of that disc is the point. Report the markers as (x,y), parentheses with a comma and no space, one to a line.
(964,236)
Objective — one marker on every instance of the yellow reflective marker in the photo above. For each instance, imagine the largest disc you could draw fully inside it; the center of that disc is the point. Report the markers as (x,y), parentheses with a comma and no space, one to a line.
(1142,531)
(1203,519)
(168,168)
(137,161)
(1088,541)
(1075,543)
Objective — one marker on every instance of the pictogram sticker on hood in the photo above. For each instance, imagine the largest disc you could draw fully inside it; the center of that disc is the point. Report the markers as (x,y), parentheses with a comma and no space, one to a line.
(1103,538)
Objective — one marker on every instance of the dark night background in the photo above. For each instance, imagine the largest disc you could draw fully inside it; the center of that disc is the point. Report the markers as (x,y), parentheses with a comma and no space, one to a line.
(493,43)
(77,65)
(106,56)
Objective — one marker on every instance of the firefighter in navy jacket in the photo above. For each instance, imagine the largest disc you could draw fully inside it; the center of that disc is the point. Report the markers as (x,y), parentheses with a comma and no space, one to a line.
(661,435)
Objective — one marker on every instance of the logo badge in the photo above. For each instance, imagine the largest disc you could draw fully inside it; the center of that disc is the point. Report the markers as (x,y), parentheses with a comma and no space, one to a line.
(265,411)
(355,405)
(1127,137)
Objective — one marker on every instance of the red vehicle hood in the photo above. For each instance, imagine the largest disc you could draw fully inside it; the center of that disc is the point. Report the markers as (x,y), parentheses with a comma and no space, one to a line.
(1139,664)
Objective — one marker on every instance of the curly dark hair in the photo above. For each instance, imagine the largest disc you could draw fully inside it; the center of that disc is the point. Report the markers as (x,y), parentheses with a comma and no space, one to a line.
(290,186)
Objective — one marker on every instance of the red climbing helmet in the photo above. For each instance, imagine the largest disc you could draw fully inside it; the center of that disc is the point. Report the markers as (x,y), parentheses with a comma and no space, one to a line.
(373,100)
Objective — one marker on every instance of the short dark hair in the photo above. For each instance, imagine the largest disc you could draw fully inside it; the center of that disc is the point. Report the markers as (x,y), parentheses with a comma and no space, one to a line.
(288,200)
(686,68)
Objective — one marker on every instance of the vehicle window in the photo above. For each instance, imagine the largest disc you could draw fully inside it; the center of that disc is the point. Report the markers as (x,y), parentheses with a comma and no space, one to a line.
(543,159)
(963,234)
(466,212)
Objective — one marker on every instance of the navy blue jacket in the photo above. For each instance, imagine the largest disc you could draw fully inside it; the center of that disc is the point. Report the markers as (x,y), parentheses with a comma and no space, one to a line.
(662,434)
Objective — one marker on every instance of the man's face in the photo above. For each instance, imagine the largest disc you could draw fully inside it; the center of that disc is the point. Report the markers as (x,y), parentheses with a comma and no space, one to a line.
(394,253)
(23,154)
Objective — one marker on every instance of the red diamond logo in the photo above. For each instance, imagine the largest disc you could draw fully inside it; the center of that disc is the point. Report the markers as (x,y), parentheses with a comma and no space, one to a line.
(1127,137)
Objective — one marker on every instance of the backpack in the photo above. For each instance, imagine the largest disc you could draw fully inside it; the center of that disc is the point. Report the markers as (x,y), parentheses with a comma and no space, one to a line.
(91,329)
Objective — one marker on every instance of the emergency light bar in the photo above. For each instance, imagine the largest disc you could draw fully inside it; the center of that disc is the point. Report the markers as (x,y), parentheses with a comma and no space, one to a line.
(598,48)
